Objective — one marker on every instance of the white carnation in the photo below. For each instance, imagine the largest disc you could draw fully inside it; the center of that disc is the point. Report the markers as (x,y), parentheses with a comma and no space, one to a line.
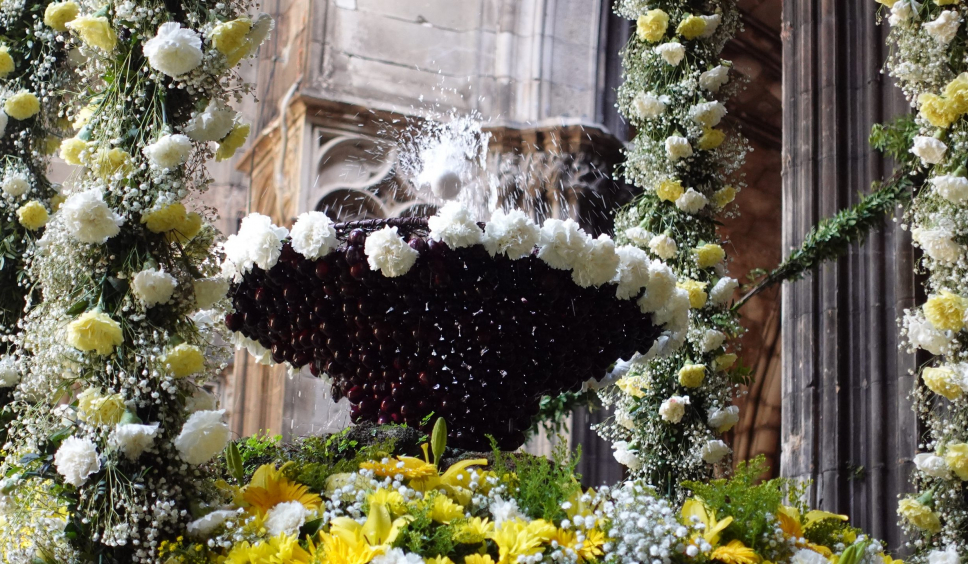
(89,219)
(807,556)
(923,335)
(203,527)
(16,185)
(633,272)
(671,53)
(286,518)
(638,236)
(599,265)
(503,511)
(903,10)
(625,456)
(455,226)
(714,451)
(662,284)
(723,419)
(938,244)
(313,235)
(712,24)
(387,252)
(932,465)
(213,124)
(714,79)
(677,148)
(76,460)
(929,149)
(201,400)
(397,556)
(674,409)
(674,313)
(169,151)
(153,287)
(133,439)
(649,106)
(663,246)
(722,291)
(563,244)
(712,340)
(209,291)
(512,234)
(202,437)
(3,123)
(174,50)
(691,201)
(261,27)
(9,372)
(952,188)
(945,27)
(258,243)
(948,556)
(709,114)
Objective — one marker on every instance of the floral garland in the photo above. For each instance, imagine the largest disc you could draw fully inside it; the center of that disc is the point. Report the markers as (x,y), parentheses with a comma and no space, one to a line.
(927,46)
(108,451)
(670,413)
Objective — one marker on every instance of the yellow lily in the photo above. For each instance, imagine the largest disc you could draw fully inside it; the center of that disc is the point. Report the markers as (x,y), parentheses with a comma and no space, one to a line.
(794,525)
(694,507)
(379,531)
(455,481)
(577,507)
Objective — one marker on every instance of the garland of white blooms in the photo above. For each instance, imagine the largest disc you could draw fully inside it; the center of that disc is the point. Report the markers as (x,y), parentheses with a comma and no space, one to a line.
(107,456)
(928,41)
(561,244)
(671,412)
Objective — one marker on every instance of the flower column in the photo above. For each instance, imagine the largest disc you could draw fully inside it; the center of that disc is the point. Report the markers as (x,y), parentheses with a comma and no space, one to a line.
(671,410)
(113,431)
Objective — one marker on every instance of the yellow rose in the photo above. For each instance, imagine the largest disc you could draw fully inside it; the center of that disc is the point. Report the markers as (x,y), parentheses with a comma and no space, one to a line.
(186,230)
(94,331)
(724,196)
(72,151)
(229,37)
(956,93)
(634,386)
(6,62)
(95,31)
(942,382)
(185,360)
(945,311)
(33,215)
(919,515)
(22,105)
(724,362)
(166,218)
(709,255)
(669,190)
(711,139)
(691,27)
(232,142)
(56,202)
(652,26)
(692,375)
(96,409)
(956,457)
(697,293)
(59,14)
(109,162)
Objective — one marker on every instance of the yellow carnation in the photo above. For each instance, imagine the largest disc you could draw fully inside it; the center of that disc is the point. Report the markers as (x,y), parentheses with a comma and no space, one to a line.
(22,105)
(956,94)
(634,386)
(697,292)
(919,515)
(56,202)
(946,311)
(711,139)
(186,230)
(888,3)
(691,27)
(692,375)
(72,150)
(110,162)
(51,144)
(33,215)
(946,2)
(709,255)
(166,218)
(94,331)
(6,62)
(83,117)
(956,457)
(232,142)
(185,360)
(94,408)
(652,26)
(724,196)
(942,382)
(724,362)
(95,31)
(229,37)
(937,110)
(669,190)
(59,14)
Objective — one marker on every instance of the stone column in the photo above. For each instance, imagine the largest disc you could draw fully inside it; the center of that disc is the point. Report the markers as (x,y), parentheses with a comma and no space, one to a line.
(847,422)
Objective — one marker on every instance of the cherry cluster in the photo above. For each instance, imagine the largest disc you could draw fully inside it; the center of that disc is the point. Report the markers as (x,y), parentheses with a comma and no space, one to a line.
(463,335)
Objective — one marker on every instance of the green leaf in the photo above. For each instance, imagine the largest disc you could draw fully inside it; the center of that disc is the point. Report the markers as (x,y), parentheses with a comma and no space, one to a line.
(233,459)
(438,440)
(78,308)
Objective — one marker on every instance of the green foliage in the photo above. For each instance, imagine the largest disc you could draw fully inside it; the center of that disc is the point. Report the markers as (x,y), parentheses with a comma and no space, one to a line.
(541,485)
(554,410)
(896,138)
(259,448)
(318,458)
(423,535)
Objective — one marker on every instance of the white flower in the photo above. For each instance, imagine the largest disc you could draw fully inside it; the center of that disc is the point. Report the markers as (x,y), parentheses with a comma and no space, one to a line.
(945,27)
(89,219)
(16,185)
(714,451)
(932,465)
(3,123)
(638,236)
(691,201)
(174,50)
(712,340)
(923,335)
(153,287)
(623,419)
(722,291)
(948,556)
(397,556)
(929,149)
(712,24)
(201,400)
(209,291)
(626,456)
(213,124)
(261,27)
(258,243)
(674,408)
(512,234)
(563,244)
(503,511)
(902,11)
(9,372)
(952,188)
(633,272)
(313,235)
(938,244)
(649,106)
(723,419)
(677,147)
(389,253)
(599,265)
(674,313)
(714,79)
(807,556)
(132,439)
(169,151)
(76,460)
(663,246)
(671,53)
(709,114)
(662,284)
(455,226)
(202,437)
(286,518)
(203,527)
